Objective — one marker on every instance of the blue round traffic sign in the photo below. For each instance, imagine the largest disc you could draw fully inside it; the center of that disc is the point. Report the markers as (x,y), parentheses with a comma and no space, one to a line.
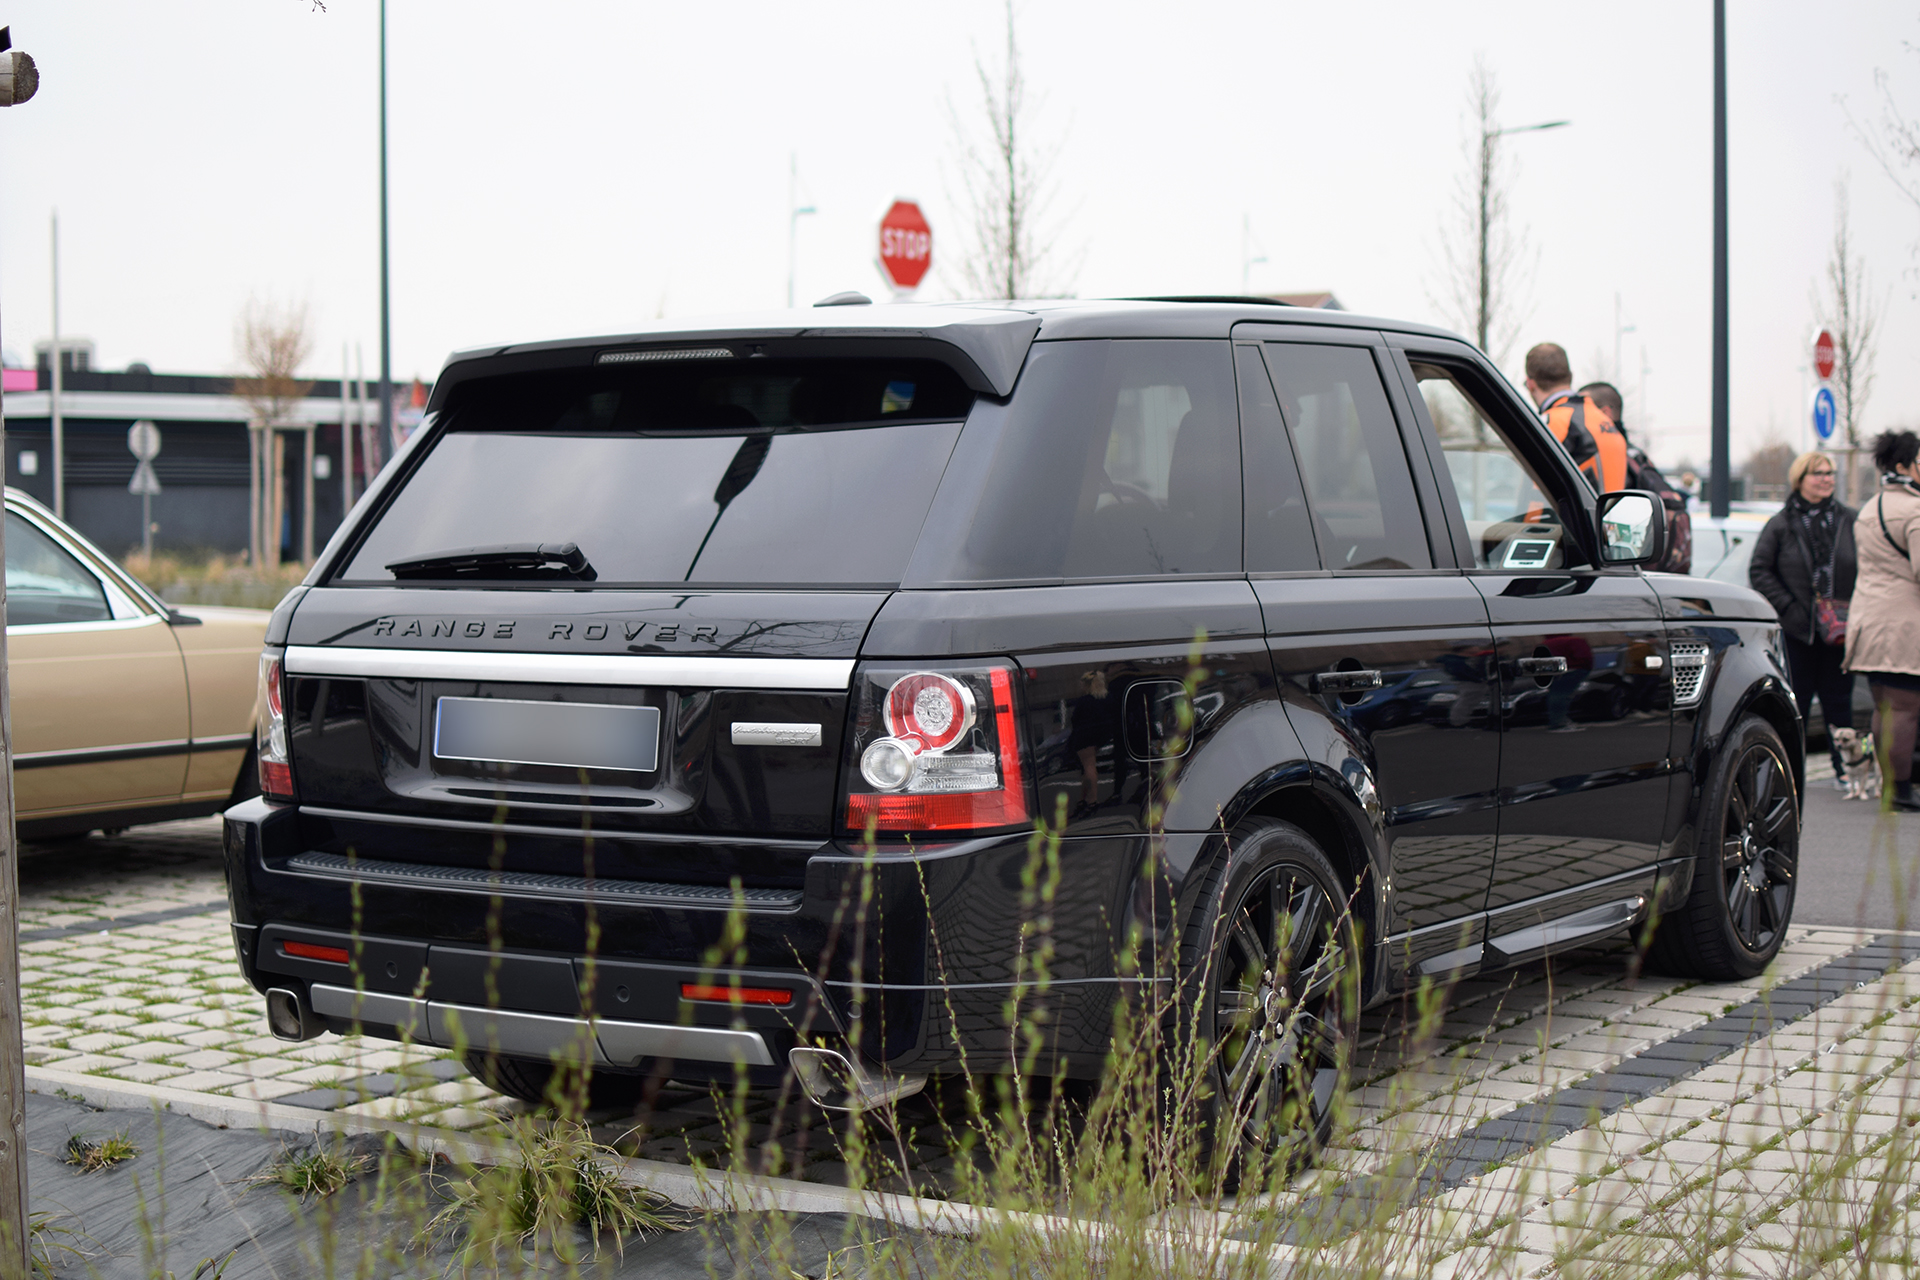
(1825,413)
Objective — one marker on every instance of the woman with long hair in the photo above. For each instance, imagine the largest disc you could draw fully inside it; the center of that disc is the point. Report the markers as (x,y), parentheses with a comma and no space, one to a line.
(1883,628)
(1804,564)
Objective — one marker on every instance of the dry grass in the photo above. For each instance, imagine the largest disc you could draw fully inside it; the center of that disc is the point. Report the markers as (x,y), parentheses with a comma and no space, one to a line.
(189,578)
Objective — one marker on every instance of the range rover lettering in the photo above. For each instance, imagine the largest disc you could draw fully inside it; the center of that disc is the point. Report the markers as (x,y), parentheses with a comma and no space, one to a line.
(690,699)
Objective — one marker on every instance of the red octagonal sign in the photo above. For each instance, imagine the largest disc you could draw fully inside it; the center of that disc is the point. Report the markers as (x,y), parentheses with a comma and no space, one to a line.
(906,245)
(1823,355)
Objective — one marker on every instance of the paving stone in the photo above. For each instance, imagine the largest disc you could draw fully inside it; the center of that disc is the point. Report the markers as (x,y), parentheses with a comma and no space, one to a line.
(205,1059)
(146,1072)
(91,1062)
(206,1081)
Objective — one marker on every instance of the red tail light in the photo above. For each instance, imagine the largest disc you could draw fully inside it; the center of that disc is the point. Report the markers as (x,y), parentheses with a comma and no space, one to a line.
(934,751)
(270,736)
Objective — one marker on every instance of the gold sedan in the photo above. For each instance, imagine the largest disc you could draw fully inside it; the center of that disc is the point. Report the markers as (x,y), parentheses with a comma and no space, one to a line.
(124,710)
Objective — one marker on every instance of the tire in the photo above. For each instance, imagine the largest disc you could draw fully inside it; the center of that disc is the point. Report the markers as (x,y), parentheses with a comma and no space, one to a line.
(1747,865)
(1271,1018)
(528,1081)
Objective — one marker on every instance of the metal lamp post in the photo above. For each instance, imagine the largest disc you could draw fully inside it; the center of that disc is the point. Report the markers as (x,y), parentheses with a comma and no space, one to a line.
(1487,139)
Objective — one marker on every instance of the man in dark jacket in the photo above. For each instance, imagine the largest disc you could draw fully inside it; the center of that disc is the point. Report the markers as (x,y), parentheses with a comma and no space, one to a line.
(1803,556)
(1642,474)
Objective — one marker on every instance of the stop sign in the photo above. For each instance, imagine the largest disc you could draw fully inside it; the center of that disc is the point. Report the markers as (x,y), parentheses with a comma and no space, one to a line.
(906,245)
(1823,355)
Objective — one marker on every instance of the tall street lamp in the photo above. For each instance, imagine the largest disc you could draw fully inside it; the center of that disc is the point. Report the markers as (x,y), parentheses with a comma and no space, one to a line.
(386,334)
(1487,152)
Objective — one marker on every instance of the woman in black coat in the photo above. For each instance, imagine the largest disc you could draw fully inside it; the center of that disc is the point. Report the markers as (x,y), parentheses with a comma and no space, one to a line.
(1806,552)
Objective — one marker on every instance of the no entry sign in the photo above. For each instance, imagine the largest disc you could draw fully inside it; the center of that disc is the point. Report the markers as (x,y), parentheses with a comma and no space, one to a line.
(1823,354)
(906,246)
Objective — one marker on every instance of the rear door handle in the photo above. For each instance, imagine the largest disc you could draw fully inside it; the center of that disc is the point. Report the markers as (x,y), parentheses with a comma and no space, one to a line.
(1344,681)
(1540,666)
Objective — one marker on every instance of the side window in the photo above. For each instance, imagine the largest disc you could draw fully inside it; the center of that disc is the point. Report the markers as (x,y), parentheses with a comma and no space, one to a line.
(45,583)
(1116,459)
(1352,461)
(1511,521)
(1279,530)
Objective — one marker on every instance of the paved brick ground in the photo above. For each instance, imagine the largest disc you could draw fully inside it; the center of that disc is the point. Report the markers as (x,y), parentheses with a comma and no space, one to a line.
(129,974)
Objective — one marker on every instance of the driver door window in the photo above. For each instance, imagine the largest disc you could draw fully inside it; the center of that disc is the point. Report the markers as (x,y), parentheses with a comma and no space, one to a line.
(1511,522)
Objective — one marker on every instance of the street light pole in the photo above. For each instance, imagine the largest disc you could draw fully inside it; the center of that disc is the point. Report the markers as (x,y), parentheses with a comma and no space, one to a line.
(1718,477)
(795,210)
(386,332)
(1483,321)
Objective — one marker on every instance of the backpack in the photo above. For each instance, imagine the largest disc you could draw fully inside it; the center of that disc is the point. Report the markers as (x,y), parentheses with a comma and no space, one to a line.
(1642,474)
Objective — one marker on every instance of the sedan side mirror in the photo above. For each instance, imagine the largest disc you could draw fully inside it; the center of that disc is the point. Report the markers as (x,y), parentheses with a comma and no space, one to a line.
(1633,527)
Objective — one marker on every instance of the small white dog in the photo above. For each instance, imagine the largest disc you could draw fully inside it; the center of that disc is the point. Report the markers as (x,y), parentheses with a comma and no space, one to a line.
(1862,776)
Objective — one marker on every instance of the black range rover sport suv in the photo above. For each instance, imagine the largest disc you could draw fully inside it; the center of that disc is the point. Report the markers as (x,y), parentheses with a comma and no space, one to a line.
(691,699)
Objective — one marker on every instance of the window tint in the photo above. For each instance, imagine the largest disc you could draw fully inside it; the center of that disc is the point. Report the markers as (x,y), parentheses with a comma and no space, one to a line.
(1351,458)
(45,583)
(1279,532)
(1511,522)
(1114,459)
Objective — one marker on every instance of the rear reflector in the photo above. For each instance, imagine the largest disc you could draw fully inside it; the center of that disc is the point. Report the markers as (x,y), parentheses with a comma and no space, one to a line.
(313,951)
(735,995)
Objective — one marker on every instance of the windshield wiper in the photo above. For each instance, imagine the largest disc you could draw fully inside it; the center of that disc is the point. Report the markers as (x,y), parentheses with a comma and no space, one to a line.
(535,560)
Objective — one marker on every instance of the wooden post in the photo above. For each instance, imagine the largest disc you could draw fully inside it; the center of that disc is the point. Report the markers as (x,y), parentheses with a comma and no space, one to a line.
(346,442)
(253,495)
(13,1074)
(308,438)
(276,494)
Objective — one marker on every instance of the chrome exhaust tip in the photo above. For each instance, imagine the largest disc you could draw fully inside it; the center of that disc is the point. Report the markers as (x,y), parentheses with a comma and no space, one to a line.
(290,1018)
(836,1082)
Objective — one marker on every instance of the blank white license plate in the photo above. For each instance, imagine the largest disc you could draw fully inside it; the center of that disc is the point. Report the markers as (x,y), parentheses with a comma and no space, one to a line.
(573,735)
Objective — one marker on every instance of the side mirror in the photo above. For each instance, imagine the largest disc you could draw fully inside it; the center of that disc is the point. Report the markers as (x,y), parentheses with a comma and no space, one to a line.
(1633,527)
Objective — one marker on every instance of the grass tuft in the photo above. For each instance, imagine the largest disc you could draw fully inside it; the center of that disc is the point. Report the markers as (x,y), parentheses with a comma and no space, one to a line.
(559,1178)
(91,1156)
(316,1173)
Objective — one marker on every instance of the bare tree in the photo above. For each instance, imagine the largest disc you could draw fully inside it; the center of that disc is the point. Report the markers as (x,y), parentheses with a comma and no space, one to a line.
(1483,254)
(274,341)
(1849,310)
(1894,139)
(1006,193)
(1766,469)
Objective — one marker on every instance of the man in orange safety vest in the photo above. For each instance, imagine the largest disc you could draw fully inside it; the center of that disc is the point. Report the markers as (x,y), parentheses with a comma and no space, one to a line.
(1597,446)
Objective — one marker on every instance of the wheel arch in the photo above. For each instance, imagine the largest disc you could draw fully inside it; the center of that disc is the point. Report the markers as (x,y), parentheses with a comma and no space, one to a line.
(1326,806)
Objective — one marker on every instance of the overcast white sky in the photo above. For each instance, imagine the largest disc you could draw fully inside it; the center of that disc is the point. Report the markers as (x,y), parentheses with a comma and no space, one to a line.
(573,167)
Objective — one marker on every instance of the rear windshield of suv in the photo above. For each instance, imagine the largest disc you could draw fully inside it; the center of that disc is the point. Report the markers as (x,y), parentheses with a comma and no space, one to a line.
(708,472)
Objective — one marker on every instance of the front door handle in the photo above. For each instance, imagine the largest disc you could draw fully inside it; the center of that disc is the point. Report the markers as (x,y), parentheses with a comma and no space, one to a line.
(1344,681)
(1540,666)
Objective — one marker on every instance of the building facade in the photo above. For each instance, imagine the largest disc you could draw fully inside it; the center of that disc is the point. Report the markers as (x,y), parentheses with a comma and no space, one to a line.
(204,466)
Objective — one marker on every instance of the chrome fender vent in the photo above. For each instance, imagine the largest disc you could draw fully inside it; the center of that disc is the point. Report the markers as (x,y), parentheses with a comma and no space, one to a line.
(1689,661)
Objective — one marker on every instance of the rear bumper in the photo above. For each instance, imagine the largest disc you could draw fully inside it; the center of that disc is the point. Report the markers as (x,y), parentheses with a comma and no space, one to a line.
(908,957)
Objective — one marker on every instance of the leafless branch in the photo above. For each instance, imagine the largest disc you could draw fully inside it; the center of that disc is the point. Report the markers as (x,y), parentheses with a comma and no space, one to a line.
(1010,253)
(274,341)
(1849,309)
(1484,257)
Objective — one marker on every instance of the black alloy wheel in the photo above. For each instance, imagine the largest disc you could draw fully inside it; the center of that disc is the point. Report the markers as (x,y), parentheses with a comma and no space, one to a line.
(1747,865)
(1759,848)
(1275,998)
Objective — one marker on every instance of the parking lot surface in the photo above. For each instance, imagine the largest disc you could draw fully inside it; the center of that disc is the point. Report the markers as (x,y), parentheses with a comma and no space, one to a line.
(1579,1092)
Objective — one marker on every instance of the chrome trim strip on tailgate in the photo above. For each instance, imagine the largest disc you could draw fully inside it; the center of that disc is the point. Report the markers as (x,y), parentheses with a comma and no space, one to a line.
(540,1035)
(640,893)
(671,670)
